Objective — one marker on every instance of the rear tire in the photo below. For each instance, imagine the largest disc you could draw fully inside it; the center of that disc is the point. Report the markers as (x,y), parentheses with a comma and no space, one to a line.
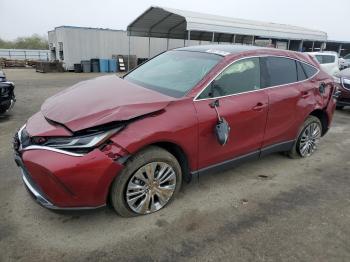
(152,177)
(308,138)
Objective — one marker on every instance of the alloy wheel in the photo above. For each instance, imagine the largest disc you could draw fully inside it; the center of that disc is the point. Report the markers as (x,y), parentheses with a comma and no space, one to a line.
(309,139)
(151,187)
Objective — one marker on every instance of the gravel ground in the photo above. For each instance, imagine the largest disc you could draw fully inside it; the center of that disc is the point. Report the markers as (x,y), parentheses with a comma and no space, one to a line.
(273,209)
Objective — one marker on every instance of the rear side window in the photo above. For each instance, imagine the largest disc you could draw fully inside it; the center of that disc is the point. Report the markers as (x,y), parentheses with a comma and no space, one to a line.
(280,70)
(325,59)
(301,74)
(310,71)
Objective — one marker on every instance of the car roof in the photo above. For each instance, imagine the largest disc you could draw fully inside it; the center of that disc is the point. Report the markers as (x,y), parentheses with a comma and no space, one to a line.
(222,50)
(236,49)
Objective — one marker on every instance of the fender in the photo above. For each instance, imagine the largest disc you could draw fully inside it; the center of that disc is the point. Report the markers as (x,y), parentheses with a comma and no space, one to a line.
(177,124)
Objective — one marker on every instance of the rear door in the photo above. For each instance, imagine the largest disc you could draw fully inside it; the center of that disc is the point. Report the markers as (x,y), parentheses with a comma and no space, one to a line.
(279,77)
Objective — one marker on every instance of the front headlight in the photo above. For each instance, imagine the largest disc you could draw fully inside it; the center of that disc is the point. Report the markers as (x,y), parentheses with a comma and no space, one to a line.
(76,142)
(346,81)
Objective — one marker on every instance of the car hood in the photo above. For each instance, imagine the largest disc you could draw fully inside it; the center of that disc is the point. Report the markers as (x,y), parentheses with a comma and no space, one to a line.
(344,73)
(100,101)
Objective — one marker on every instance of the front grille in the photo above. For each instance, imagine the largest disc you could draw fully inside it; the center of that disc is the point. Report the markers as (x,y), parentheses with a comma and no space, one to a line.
(21,140)
(16,143)
(4,92)
(344,100)
(25,139)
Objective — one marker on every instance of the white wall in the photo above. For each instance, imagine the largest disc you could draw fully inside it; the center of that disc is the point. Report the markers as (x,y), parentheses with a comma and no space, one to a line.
(84,43)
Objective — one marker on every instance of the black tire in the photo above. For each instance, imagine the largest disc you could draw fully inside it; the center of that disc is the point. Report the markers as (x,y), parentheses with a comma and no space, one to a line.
(339,107)
(2,110)
(294,152)
(148,155)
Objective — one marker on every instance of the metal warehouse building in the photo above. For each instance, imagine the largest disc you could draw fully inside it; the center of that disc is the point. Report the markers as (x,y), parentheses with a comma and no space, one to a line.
(159,29)
(71,44)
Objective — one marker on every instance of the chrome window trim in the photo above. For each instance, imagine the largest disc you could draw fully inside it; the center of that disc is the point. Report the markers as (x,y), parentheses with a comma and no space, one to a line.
(247,57)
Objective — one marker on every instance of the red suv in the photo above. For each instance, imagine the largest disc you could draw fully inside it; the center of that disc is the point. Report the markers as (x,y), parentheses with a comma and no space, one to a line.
(131,142)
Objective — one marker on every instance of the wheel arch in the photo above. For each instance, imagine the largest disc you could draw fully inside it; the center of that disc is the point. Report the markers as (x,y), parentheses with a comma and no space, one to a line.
(179,154)
(323,117)
(173,149)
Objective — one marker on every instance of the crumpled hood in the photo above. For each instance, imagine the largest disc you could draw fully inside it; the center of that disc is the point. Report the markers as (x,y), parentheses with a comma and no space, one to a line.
(102,100)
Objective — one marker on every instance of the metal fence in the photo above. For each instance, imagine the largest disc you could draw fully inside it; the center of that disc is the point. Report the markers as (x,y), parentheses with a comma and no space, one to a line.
(24,54)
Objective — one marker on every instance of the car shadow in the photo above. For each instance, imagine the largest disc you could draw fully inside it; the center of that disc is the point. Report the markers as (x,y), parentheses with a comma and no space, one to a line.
(344,112)
(83,212)
(5,117)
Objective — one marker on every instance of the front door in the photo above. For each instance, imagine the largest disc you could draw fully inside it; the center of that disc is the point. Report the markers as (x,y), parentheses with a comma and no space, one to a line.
(241,103)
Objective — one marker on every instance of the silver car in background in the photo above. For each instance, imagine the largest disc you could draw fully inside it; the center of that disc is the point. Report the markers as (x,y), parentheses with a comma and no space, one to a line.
(343,80)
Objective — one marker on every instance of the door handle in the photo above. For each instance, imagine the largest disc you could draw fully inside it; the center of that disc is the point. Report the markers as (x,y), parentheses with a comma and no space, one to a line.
(258,107)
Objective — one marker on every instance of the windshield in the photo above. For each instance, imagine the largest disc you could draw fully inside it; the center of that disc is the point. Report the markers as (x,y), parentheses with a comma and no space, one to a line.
(347,56)
(174,73)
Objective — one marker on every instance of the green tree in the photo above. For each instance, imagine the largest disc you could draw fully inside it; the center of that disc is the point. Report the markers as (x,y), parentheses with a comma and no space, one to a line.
(30,42)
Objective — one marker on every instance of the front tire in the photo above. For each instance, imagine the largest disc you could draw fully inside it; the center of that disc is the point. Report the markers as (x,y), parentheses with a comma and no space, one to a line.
(339,107)
(150,180)
(3,110)
(308,138)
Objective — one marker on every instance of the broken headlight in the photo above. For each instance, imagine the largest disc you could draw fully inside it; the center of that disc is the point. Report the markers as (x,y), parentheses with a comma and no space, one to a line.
(79,142)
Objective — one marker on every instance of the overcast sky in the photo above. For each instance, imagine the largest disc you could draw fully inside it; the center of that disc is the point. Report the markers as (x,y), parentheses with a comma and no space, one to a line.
(26,17)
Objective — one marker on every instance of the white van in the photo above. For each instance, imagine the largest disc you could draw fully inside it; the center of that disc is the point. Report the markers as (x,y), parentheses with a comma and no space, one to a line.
(328,61)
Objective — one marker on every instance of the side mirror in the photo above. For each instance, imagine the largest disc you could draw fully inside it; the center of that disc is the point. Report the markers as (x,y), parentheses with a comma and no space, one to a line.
(222,128)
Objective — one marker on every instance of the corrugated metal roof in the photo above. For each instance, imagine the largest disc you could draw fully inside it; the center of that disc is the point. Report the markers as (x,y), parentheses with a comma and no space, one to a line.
(87,28)
(173,23)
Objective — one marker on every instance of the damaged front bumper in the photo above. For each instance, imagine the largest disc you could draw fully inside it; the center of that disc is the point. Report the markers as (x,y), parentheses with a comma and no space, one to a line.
(63,180)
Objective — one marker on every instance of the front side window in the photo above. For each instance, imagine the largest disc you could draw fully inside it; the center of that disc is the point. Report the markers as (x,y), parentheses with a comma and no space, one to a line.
(174,73)
(241,76)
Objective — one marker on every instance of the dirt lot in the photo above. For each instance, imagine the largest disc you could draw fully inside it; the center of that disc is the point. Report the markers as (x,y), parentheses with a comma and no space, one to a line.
(299,212)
